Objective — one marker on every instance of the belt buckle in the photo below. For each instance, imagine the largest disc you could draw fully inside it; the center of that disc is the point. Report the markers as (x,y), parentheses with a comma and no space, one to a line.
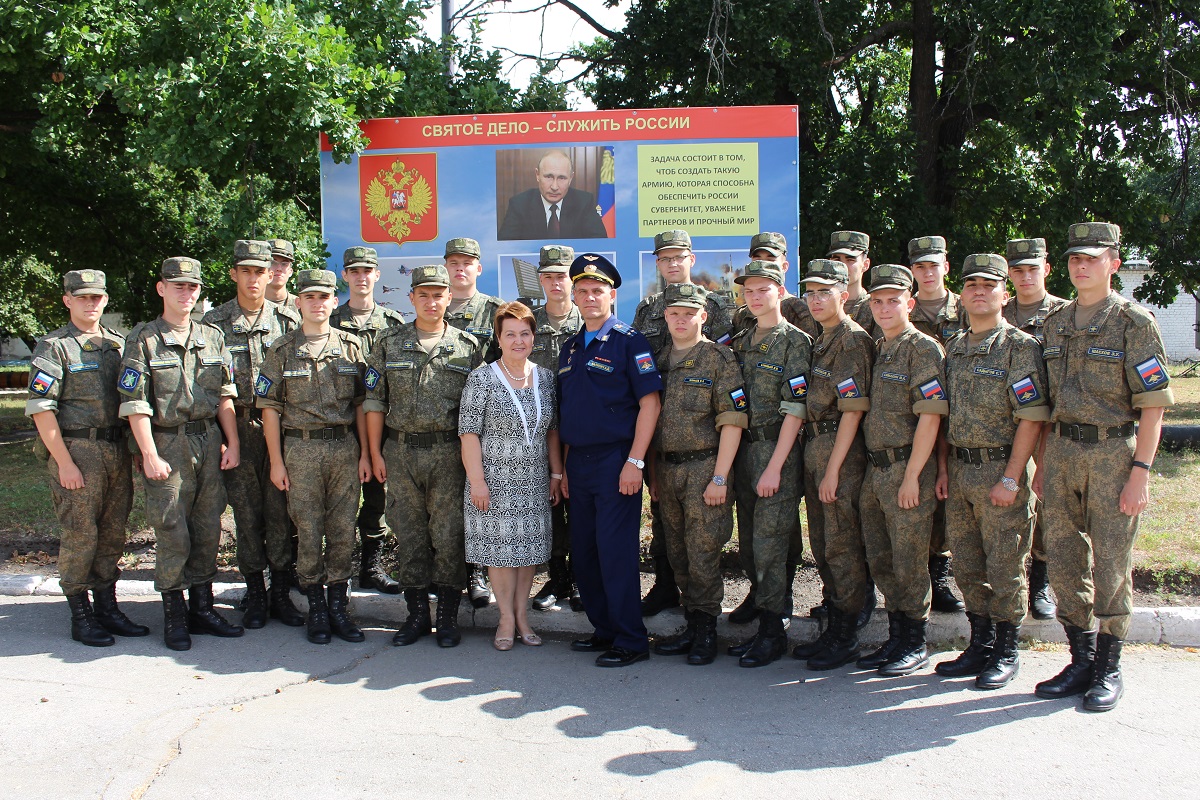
(327,434)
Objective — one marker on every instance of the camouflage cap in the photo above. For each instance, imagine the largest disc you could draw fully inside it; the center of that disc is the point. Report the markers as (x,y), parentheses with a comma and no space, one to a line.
(181,269)
(316,280)
(760,269)
(79,282)
(431,275)
(282,248)
(466,247)
(890,276)
(360,256)
(992,266)
(1092,238)
(666,239)
(826,271)
(595,267)
(922,247)
(774,242)
(252,253)
(685,294)
(1023,252)
(848,243)
(555,258)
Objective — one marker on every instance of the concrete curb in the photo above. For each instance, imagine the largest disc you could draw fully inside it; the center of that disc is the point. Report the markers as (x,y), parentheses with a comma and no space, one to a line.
(1178,626)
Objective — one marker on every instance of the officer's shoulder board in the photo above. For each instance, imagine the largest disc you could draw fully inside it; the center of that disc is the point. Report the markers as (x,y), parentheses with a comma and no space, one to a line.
(621,327)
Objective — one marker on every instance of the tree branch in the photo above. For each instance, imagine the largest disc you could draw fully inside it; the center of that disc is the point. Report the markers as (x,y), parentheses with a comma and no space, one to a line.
(583,15)
(885,32)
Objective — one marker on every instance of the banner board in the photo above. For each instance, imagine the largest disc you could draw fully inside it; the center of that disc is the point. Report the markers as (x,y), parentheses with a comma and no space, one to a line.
(606,181)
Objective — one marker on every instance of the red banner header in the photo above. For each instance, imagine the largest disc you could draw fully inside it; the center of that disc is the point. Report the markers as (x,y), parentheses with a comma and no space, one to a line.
(578,126)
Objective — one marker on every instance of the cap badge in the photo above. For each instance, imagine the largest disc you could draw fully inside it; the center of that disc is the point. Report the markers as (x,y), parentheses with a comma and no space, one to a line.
(87,276)
(1081,231)
(185,266)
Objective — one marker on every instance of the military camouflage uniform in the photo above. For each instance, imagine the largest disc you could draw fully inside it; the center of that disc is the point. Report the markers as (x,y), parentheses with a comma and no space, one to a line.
(179,384)
(1100,378)
(698,399)
(775,373)
(908,380)
(259,509)
(476,317)
(316,396)
(420,394)
(839,381)
(74,376)
(991,388)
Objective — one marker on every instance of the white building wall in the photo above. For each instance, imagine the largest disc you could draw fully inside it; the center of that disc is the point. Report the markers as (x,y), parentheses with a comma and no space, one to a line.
(1177,321)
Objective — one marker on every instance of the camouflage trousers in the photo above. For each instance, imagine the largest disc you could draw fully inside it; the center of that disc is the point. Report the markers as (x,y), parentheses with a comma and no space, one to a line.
(1039,532)
(259,509)
(897,539)
(370,515)
(322,502)
(1089,542)
(425,510)
(939,544)
(185,509)
(835,529)
(768,527)
(695,532)
(93,518)
(990,543)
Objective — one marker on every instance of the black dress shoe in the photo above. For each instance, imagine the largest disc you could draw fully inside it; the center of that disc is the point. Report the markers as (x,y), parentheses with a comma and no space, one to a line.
(546,598)
(592,645)
(621,657)
(576,600)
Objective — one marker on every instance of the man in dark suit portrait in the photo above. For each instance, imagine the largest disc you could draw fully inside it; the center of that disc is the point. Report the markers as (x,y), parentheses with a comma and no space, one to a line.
(553,210)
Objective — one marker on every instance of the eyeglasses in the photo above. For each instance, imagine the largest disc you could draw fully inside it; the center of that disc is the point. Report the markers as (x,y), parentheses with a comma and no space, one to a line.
(819,294)
(672,260)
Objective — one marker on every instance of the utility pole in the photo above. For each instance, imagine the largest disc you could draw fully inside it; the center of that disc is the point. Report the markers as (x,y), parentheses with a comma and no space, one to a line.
(447,36)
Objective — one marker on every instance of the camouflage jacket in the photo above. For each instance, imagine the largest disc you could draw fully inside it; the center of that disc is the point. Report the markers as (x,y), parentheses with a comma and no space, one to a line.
(840,377)
(420,392)
(174,381)
(248,342)
(74,375)
(700,395)
(909,379)
(313,391)
(774,373)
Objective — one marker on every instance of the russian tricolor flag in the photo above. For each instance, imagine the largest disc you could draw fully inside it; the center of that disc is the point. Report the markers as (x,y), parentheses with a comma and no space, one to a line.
(606,194)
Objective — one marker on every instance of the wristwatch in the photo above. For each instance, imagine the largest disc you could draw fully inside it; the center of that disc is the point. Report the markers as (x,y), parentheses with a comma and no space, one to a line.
(718,480)
(1010,484)
(637,462)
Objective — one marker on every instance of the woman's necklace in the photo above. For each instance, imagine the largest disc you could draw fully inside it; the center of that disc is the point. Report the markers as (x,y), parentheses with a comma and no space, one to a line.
(521,380)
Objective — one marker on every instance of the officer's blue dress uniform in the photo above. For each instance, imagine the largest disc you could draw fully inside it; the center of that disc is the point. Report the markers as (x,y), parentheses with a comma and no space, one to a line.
(599,387)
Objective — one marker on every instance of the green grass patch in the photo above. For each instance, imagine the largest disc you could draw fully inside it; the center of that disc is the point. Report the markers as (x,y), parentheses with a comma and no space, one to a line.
(1186,410)
(12,414)
(1169,532)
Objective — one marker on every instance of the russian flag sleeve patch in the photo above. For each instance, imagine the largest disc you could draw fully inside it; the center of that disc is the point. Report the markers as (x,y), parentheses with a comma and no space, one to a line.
(1152,373)
(933,390)
(1025,391)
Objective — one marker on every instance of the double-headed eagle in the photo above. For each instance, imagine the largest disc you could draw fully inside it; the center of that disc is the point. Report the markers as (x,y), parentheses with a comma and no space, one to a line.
(397,199)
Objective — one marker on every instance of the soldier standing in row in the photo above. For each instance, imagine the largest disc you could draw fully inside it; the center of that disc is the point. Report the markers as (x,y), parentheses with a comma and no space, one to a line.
(73,403)
(1109,387)
(698,435)
(996,383)
(415,379)
(769,246)
(1028,268)
(554,323)
(176,388)
(367,320)
(851,248)
(283,254)
(250,324)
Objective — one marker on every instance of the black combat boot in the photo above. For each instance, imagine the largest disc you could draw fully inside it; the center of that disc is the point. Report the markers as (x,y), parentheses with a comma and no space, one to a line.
(913,654)
(868,608)
(1004,663)
(340,621)
(256,601)
(319,631)
(806,650)
(371,574)
(556,588)
(943,595)
(85,628)
(418,623)
(1106,688)
(1076,677)
(704,648)
(1041,602)
(281,606)
(576,598)
(478,589)
(175,621)
(883,655)
(979,650)
(741,648)
(111,617)
(842,644)
(203,618)
(447,616)
(664,593)
(747,611)
(681,643)
(769,645)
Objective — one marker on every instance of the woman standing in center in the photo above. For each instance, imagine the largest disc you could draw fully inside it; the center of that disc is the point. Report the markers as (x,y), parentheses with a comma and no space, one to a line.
(509,429)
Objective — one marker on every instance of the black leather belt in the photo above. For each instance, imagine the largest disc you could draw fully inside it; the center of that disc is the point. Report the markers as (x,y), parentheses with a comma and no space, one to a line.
(248,412)
(977,455)
(423,441)
(764,433)
(822,427)
(1091,433)
(685,456)
(330,434)
(113,434)
(882,459)
(197,428)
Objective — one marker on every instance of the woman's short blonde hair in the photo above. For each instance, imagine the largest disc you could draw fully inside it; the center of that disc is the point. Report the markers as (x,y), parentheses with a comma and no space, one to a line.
(514,310)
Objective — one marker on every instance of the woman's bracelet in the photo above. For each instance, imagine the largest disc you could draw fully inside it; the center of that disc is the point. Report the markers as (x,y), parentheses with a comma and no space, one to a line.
(554,476)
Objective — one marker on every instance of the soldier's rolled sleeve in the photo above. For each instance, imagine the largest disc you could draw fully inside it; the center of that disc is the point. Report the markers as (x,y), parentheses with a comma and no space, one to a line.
(268,392)
(858,368)
(793,409)
(794,388)
(929,365)
(45,380)
(728,380)
(360,386)
(1027,363)
(375,379)
(854,404)
(1146,363)
(133,371)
